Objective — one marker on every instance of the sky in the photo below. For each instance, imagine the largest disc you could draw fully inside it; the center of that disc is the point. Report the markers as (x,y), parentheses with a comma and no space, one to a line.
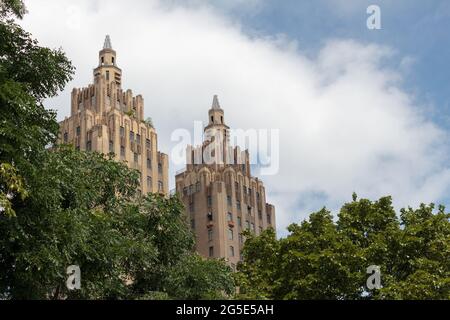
(357,110)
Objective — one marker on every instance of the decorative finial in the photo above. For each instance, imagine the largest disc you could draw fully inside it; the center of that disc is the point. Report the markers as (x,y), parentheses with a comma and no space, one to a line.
(215,104)
(107,44)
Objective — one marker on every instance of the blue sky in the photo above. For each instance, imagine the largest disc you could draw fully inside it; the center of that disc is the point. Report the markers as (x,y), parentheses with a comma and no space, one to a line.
(357,109)
(415,28)
(418,29)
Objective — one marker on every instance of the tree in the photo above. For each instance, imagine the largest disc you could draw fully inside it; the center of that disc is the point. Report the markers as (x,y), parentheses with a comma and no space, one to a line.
(83,210)
(28,74)
(63,207)
(326,259)
(195,278)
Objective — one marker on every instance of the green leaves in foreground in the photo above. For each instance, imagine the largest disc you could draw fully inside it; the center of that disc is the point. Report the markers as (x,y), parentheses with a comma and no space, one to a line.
(326,259)
(82,209)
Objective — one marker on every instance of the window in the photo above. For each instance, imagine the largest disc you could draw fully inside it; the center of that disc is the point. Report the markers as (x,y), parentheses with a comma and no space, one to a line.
(239,220)
(112,60)
(103,60)
(212,119)
(209,201)
(231,251)
(65,137)
(193,223)
(160,186)
(269,220)
(131,136)
(149,163)
(221,119)
(210,234)
(122,131)
(236,186)
(160,168)
(149,182)
(148,144)
(107,75)
(211,251)
(122,151)
(230,234)
(257,195)
(89,145)
(111,146)
(260,214)
(229,200)
(209,216)
(245,190)
(136,157)
(78,131)
(229,216)
(238,204)
(241,239)
(138,138)
(249,210)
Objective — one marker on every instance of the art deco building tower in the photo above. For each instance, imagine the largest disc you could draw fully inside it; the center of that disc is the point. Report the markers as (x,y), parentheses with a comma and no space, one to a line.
(106,119)
(220,195)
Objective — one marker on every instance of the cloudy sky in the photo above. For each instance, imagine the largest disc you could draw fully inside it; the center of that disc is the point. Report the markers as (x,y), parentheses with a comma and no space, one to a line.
(358,110)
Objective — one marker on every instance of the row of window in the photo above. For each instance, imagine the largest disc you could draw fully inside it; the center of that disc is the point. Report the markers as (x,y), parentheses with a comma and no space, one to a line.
(230,218)
(150,183)
(191,189)
(136,138)
(230,251)
(247,191)
(103,61)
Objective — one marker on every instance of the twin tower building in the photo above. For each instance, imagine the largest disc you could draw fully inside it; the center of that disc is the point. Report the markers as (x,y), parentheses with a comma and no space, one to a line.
(221,198)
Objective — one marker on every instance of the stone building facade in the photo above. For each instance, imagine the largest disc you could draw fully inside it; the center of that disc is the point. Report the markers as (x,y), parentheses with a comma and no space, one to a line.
(219,193)
(107,119)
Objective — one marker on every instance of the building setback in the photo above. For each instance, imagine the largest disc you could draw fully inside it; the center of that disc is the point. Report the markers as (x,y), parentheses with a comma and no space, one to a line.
(106,119)
(220,195)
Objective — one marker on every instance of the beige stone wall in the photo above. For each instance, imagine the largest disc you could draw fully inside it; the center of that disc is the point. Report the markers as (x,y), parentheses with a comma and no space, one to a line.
(220,190)
(106,119)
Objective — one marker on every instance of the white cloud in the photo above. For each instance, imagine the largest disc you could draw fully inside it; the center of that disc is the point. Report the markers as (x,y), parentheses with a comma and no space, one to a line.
(345,123)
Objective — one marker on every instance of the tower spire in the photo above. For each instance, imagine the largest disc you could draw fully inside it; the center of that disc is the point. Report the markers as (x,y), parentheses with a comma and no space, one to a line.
(215,103)
(107,43)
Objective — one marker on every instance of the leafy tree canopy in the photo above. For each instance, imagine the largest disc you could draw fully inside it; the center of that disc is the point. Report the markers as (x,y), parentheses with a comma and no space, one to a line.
(82,210)
(326,259)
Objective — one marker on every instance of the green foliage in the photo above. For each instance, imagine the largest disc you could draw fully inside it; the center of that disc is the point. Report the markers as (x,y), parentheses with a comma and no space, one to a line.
(82,209)
(326,259)
(148,121)
(11,185)
(65,207)
(195,277)
(130,113)
(12,8)
(28,74)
